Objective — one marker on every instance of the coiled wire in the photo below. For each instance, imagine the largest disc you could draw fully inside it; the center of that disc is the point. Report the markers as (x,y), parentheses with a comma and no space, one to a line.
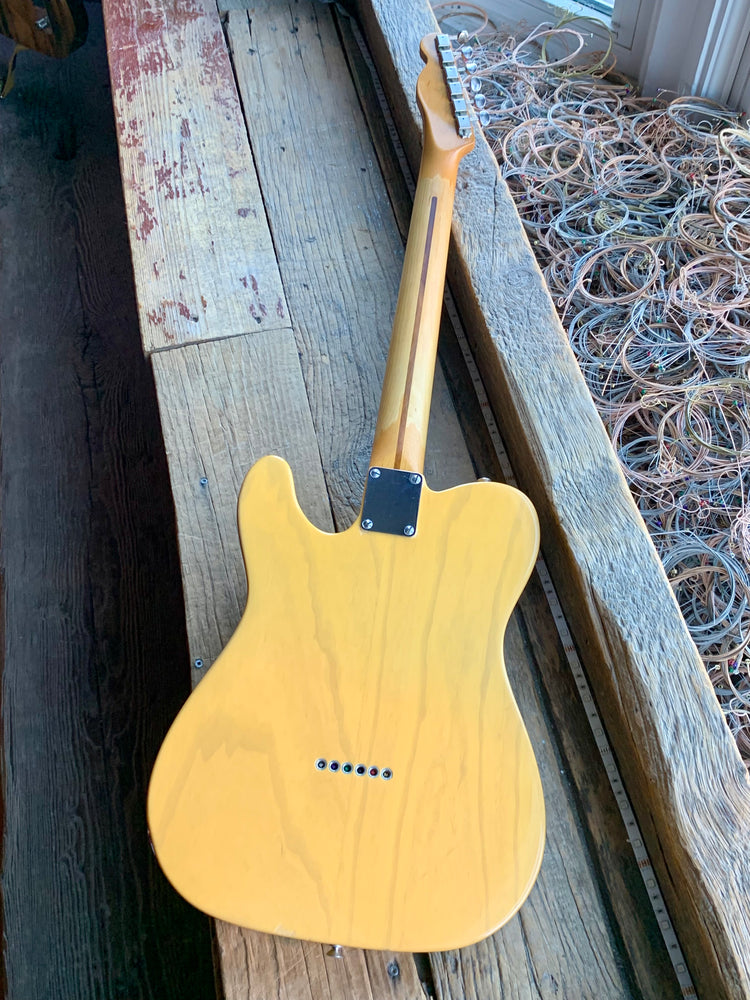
(639,213)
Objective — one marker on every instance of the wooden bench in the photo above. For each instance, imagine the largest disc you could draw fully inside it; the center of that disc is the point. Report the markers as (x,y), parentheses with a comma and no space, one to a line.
(267,258)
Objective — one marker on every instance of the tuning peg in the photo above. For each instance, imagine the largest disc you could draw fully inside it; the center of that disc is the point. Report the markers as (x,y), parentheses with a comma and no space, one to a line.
(455,87)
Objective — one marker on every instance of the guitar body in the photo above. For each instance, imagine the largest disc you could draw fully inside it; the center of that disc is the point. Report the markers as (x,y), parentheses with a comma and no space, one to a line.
(372,649)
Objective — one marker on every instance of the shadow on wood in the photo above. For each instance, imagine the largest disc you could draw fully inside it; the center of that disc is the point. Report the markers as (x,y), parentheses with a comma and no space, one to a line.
(95,657)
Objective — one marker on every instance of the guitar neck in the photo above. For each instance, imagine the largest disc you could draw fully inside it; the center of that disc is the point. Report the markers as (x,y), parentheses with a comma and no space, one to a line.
(401,429)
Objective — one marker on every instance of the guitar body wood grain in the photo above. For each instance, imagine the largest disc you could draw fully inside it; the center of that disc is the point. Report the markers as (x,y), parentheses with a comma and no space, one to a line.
(369,649)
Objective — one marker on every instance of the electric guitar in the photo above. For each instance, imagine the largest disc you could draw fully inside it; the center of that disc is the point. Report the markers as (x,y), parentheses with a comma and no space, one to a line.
(354,769)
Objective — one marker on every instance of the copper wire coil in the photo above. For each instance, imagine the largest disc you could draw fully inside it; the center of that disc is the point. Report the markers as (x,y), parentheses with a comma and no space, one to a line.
(638,210)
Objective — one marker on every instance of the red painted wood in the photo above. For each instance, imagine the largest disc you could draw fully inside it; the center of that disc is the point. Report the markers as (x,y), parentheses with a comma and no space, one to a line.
(202,252)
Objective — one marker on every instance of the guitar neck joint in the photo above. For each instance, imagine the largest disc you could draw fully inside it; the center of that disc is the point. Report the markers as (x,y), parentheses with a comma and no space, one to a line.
(391,502)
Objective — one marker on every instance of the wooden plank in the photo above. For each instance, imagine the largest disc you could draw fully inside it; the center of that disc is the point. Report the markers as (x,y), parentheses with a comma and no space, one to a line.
(93,632)
(225,404)
(687,782)
(203,256)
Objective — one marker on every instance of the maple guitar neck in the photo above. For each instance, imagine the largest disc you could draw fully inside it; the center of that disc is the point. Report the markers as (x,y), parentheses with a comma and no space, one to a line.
(401,430)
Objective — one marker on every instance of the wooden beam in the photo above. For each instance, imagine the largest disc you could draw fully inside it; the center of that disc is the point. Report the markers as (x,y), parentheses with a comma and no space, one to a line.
(92,634)
(682,769)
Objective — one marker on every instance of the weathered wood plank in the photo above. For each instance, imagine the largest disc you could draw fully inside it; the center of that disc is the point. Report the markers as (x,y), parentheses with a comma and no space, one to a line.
(203,256)
(225,404)
(631,908)
(682,770)
(93,632)
(259,967)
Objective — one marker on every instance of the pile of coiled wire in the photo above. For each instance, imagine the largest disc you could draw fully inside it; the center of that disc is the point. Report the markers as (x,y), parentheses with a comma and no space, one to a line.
(639,213)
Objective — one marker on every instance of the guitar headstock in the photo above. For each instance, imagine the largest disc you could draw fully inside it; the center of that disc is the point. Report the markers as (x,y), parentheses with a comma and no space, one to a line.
(441,97)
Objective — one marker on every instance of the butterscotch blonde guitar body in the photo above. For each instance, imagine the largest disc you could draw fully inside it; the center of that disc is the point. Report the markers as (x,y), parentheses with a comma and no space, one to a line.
(367,649)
